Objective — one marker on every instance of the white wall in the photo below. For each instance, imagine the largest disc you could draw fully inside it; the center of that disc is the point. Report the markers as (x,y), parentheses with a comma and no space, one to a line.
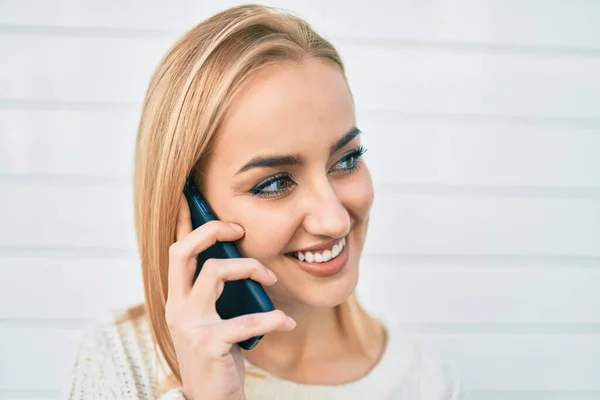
(482,120)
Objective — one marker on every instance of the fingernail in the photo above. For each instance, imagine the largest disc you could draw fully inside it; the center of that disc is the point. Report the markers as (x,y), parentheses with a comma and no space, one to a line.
(236,227)
(290,323)
(271,274)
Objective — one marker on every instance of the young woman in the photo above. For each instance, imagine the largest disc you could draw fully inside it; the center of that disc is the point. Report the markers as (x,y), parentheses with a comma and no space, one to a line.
(256,107)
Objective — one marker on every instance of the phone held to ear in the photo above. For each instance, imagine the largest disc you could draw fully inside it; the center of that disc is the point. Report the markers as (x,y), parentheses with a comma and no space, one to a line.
(240,297)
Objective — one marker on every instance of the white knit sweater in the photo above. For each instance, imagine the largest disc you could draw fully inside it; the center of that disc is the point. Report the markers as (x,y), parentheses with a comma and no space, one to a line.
(118,361)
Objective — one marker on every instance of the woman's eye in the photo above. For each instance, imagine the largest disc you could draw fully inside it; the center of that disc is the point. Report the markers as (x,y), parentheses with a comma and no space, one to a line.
(350,161)
(347,163)
(275,186)
(278,185)
(283,183)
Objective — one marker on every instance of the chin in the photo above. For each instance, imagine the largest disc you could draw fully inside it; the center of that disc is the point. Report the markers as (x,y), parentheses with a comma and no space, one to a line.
(320,285)
(329,294)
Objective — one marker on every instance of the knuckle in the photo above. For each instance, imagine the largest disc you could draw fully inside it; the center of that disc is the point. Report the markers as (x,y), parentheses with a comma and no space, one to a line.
(250,321)
(171,316)
(211,267)
(258,266)
(175,251)
(279,315)
(212,228)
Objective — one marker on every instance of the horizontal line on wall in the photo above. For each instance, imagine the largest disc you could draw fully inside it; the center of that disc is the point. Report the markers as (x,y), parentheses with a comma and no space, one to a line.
(483,260)
(531,394)
(469,47)
(490,328)
(488,190)
(566,192)
(65,180)
(91,31)
(479,119)
(69,252)
(44,323)
(385,42)
(387,114)
(29,394)
(84,105)
(480,260)
(417,328)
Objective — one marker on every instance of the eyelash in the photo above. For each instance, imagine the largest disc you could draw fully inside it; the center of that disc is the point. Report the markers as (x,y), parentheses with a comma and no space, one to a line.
(259,190)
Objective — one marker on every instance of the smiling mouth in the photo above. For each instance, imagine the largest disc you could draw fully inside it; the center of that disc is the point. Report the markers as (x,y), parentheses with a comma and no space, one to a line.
(320,256)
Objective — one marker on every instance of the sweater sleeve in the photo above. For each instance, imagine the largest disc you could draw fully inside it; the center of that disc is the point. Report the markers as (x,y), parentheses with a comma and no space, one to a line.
(109,364)
(94,374)
(438,382)
(429,380)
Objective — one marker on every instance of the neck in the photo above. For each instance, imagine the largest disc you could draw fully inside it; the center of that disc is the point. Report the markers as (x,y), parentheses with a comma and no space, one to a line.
(322,335)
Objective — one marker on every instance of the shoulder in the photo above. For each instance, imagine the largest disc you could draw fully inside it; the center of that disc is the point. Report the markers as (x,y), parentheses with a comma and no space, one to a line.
(435,380)
(423,376)
(119,332)
(115,350)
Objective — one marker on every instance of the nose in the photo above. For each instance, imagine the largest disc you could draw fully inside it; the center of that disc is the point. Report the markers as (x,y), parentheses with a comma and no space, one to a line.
(325,212)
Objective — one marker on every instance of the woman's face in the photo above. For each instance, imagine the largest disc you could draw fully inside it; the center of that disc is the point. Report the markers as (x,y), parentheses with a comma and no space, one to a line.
(286,166)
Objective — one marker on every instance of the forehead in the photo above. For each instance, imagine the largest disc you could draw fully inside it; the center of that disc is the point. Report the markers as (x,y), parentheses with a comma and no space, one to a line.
(282,107)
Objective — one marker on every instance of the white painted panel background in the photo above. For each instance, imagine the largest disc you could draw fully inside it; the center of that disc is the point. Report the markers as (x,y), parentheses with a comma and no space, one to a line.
(482,120)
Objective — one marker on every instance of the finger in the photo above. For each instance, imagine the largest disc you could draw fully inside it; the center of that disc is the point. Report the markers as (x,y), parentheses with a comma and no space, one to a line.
(184,219)
(181,272)
(208,234)
(182,254)
(215,272)
(250,325)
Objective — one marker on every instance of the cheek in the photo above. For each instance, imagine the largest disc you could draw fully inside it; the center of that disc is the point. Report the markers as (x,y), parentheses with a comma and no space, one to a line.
(267,232)
(357,195)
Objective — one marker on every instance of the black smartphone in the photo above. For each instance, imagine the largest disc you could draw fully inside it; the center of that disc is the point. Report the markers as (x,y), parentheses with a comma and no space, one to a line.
(240,297)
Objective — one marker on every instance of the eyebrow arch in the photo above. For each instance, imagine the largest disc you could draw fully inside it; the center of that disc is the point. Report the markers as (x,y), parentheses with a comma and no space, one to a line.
(344,140)
(271,161)
(278,161)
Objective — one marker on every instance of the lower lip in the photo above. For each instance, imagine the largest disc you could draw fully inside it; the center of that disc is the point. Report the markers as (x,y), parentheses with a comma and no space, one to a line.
(325,269)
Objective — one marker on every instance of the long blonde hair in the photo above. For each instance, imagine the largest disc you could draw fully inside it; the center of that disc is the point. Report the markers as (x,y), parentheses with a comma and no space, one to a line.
(185,102)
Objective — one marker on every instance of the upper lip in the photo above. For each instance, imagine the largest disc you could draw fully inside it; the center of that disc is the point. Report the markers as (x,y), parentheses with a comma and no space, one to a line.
(319,246)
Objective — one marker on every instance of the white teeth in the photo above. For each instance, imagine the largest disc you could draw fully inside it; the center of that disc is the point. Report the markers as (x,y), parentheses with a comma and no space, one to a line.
(335,251)
(309,257)
(323,256)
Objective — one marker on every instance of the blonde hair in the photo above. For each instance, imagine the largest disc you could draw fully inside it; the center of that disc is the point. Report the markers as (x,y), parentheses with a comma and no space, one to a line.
(185,102)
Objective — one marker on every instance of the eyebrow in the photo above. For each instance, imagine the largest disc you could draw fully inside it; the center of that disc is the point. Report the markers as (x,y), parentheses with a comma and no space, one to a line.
(344,140)
(295,159)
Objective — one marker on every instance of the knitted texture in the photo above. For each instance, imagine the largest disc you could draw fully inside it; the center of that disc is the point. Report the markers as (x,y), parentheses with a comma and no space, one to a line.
(118,360)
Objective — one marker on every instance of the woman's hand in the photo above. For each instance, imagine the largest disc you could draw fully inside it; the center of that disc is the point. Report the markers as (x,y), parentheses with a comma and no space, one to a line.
(209,360)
